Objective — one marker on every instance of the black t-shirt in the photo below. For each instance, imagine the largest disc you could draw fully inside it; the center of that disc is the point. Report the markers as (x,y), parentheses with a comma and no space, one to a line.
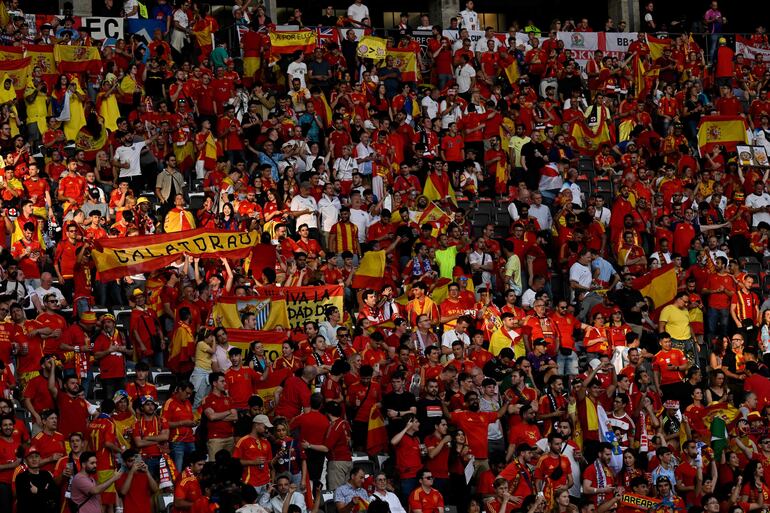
(535,154)
(626,299)
(399,402)
(47,496)
(429,413)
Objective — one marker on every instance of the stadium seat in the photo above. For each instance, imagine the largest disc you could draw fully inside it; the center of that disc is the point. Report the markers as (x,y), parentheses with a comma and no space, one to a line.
(585,163)
(196,201)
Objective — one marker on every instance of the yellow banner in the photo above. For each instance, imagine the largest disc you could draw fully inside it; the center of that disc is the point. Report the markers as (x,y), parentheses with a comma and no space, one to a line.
(370,47)
(116,258)
(291,41)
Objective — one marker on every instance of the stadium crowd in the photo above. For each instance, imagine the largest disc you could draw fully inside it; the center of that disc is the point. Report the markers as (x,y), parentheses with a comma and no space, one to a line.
(541,380)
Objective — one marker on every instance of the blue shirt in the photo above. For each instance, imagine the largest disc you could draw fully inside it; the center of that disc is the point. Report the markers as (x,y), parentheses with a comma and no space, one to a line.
(272,161)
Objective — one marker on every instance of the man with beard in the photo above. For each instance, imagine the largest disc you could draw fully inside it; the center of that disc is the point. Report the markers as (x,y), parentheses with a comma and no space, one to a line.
(598,478)
(86,494)
(553,471)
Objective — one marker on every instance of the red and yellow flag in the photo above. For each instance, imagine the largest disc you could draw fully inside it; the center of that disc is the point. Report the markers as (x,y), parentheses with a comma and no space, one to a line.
(727,131)
(116,258)
(271,340)
(657,45)
(588,140)
(42,56)
(268,308)
(439,188)
(370,270)
(406,62)
(77,59)
(18,71)
(659,285)
(435,216)
(252,61)
(376,435)
(512,71)
(11,53)
(291,41)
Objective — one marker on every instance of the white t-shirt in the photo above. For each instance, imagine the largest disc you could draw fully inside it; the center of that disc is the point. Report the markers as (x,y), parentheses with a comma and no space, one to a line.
(754,201)
(463,75)
(450,117)
(40,292)
(581,274)
(297,70)
(362,220)
(330,212)
(482,47)
(132,155)
(542,214)
(431,107)
(298,203)
(449,336)
(343,168)
(358,12)
(181,18)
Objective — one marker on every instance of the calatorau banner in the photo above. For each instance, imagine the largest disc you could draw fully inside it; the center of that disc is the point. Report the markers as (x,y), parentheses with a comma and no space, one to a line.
(116,258)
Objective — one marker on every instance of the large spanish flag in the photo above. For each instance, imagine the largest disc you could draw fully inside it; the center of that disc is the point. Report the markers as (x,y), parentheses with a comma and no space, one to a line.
(728,131)
(439,188)
(588,140)
(406,62)
(42,57)
(370,271)
(291,41)
(77,59)
(18,71)
(116,258)
(210,152)
(659,285)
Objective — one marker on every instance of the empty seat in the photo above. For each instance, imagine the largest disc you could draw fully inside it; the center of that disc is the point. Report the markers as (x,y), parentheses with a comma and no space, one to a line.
(196,201)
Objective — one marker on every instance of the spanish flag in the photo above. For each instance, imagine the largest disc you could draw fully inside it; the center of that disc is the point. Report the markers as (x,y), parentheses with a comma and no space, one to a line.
(370,270)
(406,62)
(370,47)
(251,45)
(266,389)
(42,56)
(716,418)
(18,72)
(376,435)
(89,144)
(181,351)
(659,285)
(291,41)
(322,108)
(657,45)
(11,53)
(435,216)
(78,59)
(210,152)
(588,140)
(727,131)
(439,188)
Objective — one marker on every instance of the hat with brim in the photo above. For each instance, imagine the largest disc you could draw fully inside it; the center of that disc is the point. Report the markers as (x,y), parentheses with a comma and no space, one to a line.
(262,419)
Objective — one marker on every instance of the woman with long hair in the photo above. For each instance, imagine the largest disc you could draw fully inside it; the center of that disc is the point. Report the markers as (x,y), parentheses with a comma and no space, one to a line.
(106,173)
(632,467)
(754,489)
(288,454)
(562,503)
(228,219)
(693,416)
(596,342)
(288,187)
(717,390)
(459,456)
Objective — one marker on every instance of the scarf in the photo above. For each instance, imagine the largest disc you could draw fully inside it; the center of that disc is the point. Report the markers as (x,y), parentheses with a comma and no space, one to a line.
(601,480)
(420,267)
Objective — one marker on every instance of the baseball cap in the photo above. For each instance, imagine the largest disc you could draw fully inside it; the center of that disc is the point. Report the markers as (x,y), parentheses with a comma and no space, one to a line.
(30,450)
(262,419)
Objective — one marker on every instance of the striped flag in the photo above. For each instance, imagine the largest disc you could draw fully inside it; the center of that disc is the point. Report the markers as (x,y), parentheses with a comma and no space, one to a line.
(251,44)
(77,59)
(406,62)
(727,131)
(18,71)
(292,41)
(588,140)
(659,285)
(370,270)
(376,435)
(270,311)
(657,45)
